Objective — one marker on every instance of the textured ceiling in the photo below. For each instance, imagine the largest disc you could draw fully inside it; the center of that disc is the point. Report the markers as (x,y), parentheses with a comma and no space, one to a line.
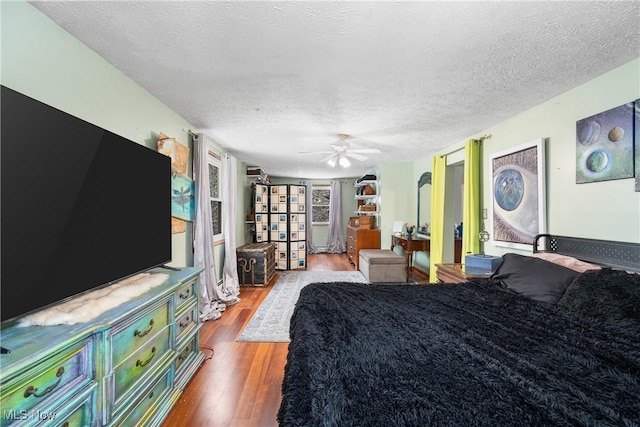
(267,80)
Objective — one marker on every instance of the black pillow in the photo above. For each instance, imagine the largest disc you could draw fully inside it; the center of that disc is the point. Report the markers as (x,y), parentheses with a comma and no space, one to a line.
(606,294)
(533,277)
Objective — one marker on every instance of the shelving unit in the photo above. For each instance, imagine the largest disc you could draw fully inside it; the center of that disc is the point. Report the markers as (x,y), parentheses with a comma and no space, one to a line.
(366,199)
(363,234)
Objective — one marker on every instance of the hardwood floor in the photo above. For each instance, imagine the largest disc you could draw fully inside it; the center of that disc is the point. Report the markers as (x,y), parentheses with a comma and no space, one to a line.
(241,384)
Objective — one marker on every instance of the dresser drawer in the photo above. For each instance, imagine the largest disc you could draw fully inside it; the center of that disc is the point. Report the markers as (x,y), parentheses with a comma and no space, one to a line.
(186,322)
(186,294)
(142,361)
(187,351)
(32,393)
(132,335)
(151,398)
(84,414)
(402,243)
(187,361)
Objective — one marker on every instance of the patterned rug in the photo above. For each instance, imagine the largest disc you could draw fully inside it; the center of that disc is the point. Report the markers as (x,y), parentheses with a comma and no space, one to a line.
(270,323)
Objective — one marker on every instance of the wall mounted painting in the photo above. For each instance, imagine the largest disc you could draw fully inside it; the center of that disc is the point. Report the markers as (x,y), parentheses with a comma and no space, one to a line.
(604,145)
(182,197)
(636,142)
(518,207)
(179,155)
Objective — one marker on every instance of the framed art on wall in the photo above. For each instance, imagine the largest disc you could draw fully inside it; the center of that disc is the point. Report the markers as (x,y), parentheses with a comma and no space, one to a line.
(182,197)
(604,145)
(518,211)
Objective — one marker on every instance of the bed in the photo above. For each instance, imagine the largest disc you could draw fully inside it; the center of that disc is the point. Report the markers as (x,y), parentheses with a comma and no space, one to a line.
(494,352)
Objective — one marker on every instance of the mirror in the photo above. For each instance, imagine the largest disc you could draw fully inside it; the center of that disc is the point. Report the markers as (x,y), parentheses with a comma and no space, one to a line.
(424,204)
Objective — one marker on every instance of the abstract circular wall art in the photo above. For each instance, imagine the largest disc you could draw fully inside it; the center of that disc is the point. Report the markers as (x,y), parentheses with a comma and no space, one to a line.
(604,145)
(518,190)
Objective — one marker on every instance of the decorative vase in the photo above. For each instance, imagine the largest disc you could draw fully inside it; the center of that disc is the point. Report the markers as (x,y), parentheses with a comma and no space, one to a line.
(409,232)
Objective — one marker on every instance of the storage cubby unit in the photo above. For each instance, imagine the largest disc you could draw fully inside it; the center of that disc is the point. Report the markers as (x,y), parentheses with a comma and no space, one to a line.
(280,218)
(126,367)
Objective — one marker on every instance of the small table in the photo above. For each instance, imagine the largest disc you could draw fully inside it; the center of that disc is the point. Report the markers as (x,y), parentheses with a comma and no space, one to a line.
(458,273)
(410,245)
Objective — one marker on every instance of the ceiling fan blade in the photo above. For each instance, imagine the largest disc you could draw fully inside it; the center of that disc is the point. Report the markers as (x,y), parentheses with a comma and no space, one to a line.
(355,156)
(366,151)
(326,159)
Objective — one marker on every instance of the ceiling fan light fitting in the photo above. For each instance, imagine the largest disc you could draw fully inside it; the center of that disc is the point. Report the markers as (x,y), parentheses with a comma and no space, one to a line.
(344,162)
(332,161)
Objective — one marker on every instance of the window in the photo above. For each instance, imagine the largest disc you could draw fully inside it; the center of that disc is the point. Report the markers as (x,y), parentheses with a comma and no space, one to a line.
(320,198)
(215,195)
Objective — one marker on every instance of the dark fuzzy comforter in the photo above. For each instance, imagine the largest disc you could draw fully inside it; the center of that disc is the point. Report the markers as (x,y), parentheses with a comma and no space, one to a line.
(471,354)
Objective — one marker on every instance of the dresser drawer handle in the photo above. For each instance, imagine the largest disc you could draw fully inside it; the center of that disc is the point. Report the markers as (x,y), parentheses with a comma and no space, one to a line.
(185,321)
(146,362)
(186,294)
(139,334)
(33,391)
(184,354)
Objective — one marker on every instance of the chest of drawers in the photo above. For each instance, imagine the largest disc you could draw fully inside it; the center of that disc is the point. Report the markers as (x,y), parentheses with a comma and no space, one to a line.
(126,367)
(360,238)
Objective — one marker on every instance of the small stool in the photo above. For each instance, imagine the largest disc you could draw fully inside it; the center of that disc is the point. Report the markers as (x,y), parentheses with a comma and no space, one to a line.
(382,265)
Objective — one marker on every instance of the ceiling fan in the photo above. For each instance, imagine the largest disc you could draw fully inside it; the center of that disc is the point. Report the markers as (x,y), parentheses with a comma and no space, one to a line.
(341,150)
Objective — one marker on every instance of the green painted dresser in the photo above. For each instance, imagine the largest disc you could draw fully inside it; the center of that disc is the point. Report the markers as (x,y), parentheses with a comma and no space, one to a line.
(126,367)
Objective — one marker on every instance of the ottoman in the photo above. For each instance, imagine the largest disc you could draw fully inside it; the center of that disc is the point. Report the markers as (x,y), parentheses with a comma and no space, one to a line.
(382,265)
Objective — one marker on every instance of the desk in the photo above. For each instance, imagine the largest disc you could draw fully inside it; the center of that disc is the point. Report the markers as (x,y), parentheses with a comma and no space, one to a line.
(410,246)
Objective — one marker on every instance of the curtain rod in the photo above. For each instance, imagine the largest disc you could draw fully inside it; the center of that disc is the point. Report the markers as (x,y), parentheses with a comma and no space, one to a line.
(195,135)
(482,138)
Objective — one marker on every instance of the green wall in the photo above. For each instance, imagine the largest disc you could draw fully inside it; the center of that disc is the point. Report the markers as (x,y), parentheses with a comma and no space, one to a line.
(44,62)
(398,198)
(605,210)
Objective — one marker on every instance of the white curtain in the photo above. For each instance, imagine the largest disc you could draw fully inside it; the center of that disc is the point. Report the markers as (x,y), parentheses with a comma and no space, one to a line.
(230,284)
(213,301)
(311,248)
(335,240)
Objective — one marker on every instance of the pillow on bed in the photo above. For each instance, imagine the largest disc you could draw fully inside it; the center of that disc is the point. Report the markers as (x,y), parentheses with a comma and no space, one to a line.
(606,294)
(566,261)
(533,278)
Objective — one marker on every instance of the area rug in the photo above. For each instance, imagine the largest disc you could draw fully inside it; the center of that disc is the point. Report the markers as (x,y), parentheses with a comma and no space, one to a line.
(270,323)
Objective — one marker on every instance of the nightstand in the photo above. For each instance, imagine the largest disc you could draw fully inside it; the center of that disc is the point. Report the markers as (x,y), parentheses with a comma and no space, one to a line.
(458,273)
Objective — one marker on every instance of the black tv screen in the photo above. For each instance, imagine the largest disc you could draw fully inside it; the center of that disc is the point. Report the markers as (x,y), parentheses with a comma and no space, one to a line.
(81,206)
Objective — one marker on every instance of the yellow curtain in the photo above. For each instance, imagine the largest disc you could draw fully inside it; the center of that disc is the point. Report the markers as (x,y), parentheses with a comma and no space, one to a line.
(471,198)
(438,172)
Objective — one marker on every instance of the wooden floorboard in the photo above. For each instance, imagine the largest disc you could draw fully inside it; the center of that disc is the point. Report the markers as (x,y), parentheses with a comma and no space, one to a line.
(240,385)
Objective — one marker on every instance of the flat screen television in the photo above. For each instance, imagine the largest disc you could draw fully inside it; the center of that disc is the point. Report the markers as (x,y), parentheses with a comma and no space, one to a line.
(81,206)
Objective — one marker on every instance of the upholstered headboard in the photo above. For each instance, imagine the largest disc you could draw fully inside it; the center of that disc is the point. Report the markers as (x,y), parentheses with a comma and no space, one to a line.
(618,255)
